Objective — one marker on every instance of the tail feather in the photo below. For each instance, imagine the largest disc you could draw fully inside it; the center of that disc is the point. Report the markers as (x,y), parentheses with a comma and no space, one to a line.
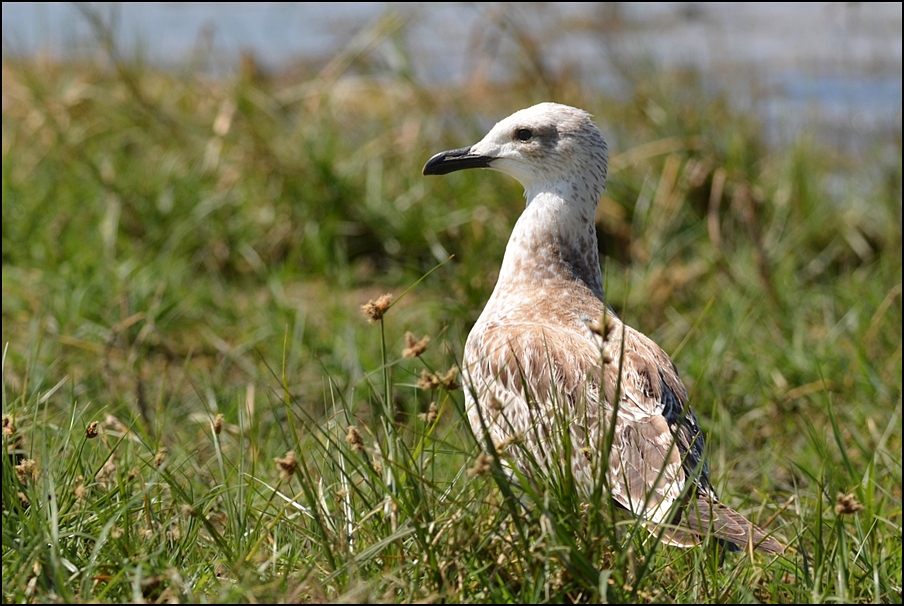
(704,516)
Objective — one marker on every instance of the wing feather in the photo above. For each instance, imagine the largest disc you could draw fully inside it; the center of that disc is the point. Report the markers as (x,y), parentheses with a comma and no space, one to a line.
(528,382)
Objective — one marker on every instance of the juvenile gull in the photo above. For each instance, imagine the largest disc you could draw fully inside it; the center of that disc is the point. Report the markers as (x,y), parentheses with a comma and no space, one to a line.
(548,354)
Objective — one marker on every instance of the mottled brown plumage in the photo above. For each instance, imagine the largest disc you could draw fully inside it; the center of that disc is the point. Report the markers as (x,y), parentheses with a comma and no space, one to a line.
(547,356)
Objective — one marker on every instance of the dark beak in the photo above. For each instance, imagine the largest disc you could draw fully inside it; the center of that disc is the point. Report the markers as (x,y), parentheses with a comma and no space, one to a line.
(450,161)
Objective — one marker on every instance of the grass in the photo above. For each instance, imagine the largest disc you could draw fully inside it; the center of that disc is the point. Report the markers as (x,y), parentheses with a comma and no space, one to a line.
(184,262)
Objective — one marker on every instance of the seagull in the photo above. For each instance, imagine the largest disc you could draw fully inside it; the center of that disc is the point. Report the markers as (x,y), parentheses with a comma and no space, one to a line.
(548,360)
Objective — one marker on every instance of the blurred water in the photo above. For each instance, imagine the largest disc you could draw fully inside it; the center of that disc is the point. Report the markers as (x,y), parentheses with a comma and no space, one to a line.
(166,33)
(837,66)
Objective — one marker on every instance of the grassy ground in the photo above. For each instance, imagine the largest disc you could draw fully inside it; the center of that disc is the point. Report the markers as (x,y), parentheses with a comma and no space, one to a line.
(195,408)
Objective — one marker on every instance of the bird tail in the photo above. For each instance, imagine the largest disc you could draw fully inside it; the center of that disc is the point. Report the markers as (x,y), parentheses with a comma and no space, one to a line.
(703,516)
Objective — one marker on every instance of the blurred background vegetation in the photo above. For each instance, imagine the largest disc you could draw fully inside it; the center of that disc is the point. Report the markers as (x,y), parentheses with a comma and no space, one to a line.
(179,243)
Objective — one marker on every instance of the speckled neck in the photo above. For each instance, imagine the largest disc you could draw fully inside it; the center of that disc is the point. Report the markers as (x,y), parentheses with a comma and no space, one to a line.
(554,240)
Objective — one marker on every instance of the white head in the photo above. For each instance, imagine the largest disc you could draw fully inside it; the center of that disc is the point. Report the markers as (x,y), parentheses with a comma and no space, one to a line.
(543,147)
(559,156)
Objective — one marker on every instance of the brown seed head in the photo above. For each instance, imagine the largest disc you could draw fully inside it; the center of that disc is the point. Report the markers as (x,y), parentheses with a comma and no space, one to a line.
(91,430)
(27,470)
(375,308)
(287,465)
(448,379)
(483,465)
(415,347)
(353,437)
(428,380)
(846,504)
(431,414)
(432,381)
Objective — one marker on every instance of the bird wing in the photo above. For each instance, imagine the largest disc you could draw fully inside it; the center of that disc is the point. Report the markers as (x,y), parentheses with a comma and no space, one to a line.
(530,381)
(536,384)
(658,447)
(648,459)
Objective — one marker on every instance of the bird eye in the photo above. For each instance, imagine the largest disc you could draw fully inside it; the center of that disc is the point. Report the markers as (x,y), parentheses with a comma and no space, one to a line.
(524,135)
